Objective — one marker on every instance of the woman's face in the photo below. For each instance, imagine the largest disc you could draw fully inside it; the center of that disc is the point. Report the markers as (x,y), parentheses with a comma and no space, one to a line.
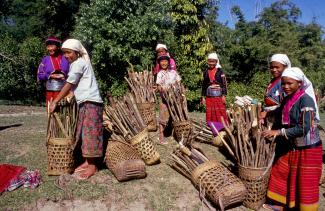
(52,49)
(289,85)
(212,63)
(70,55)
(161,52)
(164,64)
(276,69)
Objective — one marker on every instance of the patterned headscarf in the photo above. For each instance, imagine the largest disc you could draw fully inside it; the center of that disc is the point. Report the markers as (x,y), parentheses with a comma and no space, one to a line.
(76,45)
(297,74)
(281,58)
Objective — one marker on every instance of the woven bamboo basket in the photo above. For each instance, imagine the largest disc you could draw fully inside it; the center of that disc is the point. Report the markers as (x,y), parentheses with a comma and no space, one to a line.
(144,146)
(322,178)
(182,129)
(256,181)
(148,113)
(124,161)
(60,156)
(221,186)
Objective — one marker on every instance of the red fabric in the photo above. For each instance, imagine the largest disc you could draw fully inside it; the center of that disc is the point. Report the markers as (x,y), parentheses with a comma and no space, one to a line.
(56,62)
(295,177)
(50,95)
(8,173)
(212,74)
(215,109)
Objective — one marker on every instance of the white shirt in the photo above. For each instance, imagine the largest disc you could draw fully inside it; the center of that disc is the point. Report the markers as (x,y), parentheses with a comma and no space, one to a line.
(165,78)
(85,87)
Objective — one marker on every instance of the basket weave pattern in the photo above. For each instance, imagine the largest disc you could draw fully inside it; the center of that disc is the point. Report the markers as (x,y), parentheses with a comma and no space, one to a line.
(124,161)
(148,113)
(256,181)
(144,146)
(219,184)
(60,156)
(182,129)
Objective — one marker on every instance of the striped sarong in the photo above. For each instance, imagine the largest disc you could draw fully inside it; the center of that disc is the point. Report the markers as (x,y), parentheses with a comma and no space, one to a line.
(90,129)
(294,180)
(215,109)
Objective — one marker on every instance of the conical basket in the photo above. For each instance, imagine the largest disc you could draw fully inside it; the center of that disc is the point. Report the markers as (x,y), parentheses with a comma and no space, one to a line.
(221,186)
(148,114)
(124,161)
(256,181)
(144,146)
(182,129)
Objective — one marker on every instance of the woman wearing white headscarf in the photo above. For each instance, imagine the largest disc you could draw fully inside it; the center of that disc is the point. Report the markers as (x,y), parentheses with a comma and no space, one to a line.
(295,175)
(81,80)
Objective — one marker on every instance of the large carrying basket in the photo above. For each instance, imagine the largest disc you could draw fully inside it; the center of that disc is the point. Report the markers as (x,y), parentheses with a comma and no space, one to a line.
(221,186)
(124,161)
(59,150)
(148,114)
(256,181)
(182,129)
(144,146)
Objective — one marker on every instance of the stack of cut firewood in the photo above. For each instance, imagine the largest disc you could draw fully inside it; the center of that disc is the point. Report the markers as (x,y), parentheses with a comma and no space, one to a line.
(142,86)
(246,144)
(125,117)
(176,102)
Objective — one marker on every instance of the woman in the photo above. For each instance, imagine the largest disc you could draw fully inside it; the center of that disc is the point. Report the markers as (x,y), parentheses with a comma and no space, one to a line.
(162,50)
(165,78)
(53,69)
(81,80)
(214,90)
(294,180)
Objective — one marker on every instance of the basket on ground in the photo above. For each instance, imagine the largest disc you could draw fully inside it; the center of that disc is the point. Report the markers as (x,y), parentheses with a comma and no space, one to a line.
(60,147)
(148,114)
(256,181)
(144,146)
(182,129)
(124,161)
(218,183)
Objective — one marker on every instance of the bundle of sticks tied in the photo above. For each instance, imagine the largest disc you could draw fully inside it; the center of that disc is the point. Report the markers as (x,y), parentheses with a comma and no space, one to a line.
(253,153)
(205,135)
(177,105)
(127,122)
(142,87)
(213,180)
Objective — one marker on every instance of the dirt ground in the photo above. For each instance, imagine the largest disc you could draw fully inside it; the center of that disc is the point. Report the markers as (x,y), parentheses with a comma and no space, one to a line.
(22,142)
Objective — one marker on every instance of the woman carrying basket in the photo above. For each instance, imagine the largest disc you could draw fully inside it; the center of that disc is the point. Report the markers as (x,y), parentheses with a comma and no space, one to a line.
(81,80)
(295,175)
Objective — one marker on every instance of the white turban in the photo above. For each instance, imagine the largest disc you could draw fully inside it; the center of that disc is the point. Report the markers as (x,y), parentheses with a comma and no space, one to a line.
(297,74)
(281,58)
(214,56)
(161,46)
(76,45)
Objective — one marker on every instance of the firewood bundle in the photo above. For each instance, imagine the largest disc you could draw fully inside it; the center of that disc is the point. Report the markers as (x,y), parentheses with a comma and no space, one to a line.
(142,86)
(176,102)
(246,144)
(125,117)
(62,123)
(205,134)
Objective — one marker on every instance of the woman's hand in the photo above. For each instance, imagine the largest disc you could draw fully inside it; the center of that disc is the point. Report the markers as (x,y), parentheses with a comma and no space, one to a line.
(203,101)
(270,133)
(57,76)
(52,106)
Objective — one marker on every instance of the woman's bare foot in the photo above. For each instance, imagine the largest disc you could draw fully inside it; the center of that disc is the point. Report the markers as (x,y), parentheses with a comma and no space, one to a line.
(85,170)
(82,166)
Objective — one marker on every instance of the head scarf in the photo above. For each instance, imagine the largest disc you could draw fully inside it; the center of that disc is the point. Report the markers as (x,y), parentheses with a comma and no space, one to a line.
(163,57)
(76,45)
(214,56)
(281,58)
(53,41)
(161,46)
(297,74)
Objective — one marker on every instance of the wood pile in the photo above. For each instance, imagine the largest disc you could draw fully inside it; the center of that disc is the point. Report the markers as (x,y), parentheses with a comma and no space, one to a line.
(246,144)
(142,86)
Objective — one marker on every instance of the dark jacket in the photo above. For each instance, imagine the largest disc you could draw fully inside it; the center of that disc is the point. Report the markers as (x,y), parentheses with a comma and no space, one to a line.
(219,79)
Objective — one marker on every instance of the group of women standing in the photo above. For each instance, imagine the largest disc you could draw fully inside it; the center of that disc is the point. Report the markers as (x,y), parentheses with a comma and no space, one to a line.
(289,98)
